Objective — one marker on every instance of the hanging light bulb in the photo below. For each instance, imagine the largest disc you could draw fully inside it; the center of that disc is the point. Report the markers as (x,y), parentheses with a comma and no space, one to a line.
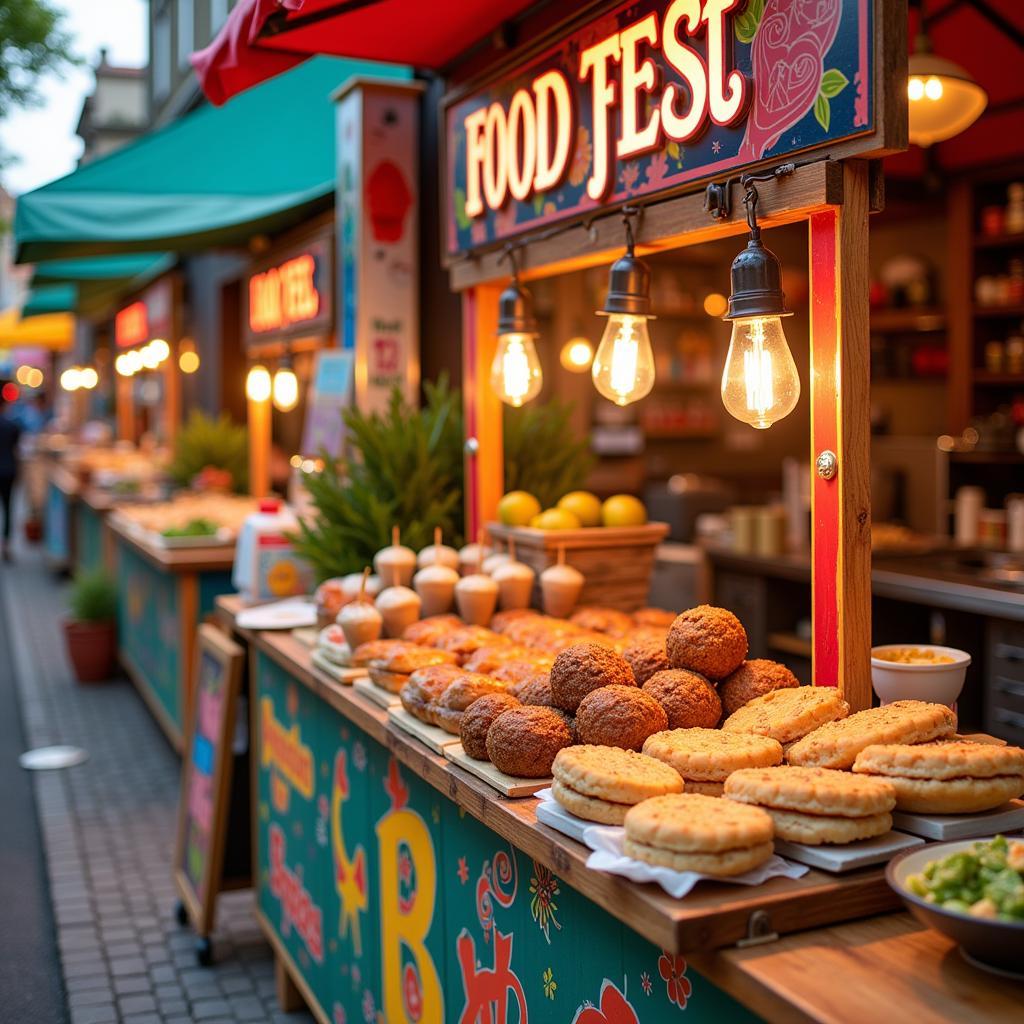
(285,388)
(944,99)
(760,383)
(257,384)
(150,356)
(515,371)
(71,379)
(160,349)
(623,368)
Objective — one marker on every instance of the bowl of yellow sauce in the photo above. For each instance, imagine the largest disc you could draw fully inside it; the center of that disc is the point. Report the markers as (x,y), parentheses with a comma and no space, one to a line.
(918,672)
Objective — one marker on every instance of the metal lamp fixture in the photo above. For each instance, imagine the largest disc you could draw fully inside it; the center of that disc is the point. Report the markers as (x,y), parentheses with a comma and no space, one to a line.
(623,368)
(760,383)
(516,374)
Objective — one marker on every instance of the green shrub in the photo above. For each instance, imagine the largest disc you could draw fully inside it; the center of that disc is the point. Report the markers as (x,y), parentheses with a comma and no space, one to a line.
(204,441)
(93,598)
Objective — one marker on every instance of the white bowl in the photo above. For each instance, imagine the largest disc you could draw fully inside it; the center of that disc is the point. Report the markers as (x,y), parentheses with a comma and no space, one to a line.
(940,683)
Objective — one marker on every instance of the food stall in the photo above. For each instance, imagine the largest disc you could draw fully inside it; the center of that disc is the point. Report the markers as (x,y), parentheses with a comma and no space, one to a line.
(395,879)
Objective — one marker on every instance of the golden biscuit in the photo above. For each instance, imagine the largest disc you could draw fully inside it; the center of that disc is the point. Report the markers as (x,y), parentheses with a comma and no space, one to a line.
(955,796)
(710,755)
(613,774)
(787,715)
(691,823)
(811,791)
(591,808)
(723,865)
(815,829)
(943,760)
(704,788)
(837,744)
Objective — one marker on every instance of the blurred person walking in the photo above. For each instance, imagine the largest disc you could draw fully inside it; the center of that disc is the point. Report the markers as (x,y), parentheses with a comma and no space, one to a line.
(10,434)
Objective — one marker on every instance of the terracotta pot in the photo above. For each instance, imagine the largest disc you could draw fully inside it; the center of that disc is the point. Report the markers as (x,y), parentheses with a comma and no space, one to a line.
(92,649)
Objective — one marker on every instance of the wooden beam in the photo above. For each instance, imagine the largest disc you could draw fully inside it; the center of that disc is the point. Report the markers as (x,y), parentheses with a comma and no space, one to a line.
(671,223)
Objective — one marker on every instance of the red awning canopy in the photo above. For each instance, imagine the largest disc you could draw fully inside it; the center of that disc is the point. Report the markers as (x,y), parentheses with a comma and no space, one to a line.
(262,38)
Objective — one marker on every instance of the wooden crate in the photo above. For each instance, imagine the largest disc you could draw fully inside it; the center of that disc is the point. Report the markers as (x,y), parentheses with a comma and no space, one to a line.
(616,561)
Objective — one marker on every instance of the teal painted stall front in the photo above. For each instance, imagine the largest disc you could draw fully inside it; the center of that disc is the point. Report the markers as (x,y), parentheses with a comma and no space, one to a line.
(396,907)
(57,525)
(88,539)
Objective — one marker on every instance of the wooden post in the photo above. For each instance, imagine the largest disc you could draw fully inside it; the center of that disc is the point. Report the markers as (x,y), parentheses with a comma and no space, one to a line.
(482,408)
(259,448)
(840,423)
(125,407)
(289,998)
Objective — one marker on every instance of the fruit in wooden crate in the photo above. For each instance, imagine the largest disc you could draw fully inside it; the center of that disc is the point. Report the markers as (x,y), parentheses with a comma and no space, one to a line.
(556,519)
(586,507)
(623,510)
(517,508)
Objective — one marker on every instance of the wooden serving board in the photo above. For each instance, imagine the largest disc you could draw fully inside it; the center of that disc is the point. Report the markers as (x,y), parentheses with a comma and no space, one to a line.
(381,697)
(507,785)
(430,735)
(848,856)
(1008,818)
(338,673)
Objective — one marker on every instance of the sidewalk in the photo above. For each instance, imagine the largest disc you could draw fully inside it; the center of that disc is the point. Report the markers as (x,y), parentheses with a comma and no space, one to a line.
(108,829)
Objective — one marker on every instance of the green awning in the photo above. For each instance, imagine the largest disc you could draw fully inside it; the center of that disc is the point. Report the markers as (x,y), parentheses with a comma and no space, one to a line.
(51,298)
(103,268)
(214,177)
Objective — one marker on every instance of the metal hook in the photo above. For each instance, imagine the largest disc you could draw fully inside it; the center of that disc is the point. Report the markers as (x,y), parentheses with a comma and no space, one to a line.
(629,212)
(750,198)
(509,253)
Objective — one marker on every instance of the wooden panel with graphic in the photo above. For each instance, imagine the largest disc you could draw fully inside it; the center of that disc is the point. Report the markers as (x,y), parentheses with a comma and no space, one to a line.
(390,904)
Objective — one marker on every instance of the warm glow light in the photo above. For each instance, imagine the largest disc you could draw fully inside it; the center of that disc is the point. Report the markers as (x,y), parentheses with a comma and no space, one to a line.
(915,89)
(34,378)
(286,390)
(577,354)
(88,378)
(21,373)
(715,304)
(10,391)
(515,373)
(933,89)
(295,461)
(623,369)
(150,356)
(188,361)
(133,361)
(944,99)
(257,384)
(71,379)
(760,383)
(160,349)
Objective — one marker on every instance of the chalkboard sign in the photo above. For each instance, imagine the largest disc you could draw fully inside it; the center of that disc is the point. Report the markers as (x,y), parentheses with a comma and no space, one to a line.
(206,776)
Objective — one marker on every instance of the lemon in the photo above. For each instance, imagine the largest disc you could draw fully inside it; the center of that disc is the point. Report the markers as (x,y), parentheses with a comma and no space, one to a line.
(623,510)
(586,507)
(557,519)
(517,508)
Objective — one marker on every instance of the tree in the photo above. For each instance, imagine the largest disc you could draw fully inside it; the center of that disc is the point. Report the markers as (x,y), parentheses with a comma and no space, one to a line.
(33,41)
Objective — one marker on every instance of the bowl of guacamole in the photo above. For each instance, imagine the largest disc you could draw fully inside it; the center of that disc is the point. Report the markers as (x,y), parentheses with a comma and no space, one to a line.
(971,890)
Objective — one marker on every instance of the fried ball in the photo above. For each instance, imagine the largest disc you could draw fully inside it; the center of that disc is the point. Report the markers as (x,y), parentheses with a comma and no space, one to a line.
(711,641)
(535,691)
(754,679)
(584,667)
(524,741)
(645,657)
(570,721)
(477,719)
(619,716)
(689,700)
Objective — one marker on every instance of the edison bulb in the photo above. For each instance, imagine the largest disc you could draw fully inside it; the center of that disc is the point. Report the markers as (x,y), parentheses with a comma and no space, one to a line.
(150,356)
(160,349)
(623,369)
(71,379)
(760,383)
(257,384)
(515,373)
(188,361)
(286,390)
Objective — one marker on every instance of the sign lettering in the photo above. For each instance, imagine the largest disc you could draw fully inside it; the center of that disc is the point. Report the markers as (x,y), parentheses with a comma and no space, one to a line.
(284,750)
(131,325)
(298,910)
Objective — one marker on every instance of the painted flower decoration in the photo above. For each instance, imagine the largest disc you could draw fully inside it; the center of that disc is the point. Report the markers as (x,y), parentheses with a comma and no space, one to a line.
(463,871)
(549,983)
(630,175)
(369,1006)
(672,969)
(645,983)
(338,1014)
(581,158)
(543,890)
(359,757)
(657,168)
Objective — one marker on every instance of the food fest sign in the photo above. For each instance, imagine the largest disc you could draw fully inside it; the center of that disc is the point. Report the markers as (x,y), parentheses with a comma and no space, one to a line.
(652,97)
(150,316)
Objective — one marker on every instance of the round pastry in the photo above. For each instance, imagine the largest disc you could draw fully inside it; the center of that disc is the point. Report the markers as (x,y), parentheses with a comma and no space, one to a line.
(689,700)
(602,620)
(708,640)
(524,741)
(330,596)
(503,619)
(658,617)
(535,691)
(570,721)
(522,670)
(467,687)
(581,668)
(646,657)
(424,687)
(374,650)
(710,755)
(752,679)
(464,641)
(610,773)
(619,716)
(477,720)
(822,791)
(788,714)
(487,659)
(429,630)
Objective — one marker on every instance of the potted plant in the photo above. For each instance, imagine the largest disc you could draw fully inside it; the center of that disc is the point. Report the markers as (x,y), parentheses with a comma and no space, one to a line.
(91,630)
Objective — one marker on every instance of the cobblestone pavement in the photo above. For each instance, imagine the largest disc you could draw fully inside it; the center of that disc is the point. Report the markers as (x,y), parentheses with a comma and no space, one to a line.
(108,829)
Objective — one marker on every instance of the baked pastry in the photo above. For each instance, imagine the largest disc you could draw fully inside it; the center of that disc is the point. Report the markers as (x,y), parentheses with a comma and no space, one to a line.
(691,832)
(487,659)
(602,620)
(464,641)
(946,777)
(429,630)
(837,744)
(374,649)
(534,691)
(689,700)
(659,617)
(788,715)
(570,721)
(601,783)
(329,598)
(753,679)
(424,686)
(477,719)
(710,755)
(524,741)
(646,656)
(392,671)
(465,688)
(521,670)
(331,643)
(708,640)
(581,668)
(619,716)
(500,621)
